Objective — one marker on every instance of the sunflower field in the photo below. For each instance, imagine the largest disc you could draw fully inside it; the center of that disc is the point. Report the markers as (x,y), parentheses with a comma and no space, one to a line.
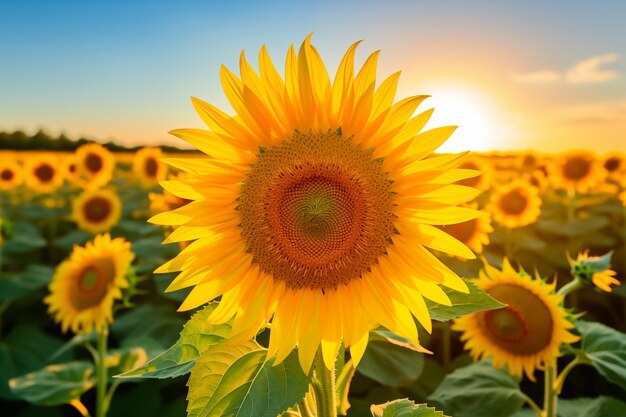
(312,256)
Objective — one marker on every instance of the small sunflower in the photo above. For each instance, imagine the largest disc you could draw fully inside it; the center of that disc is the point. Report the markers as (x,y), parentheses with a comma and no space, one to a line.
(315,207)
(11,174)
(85,286)
(527,334)
(70,169)
(42,174)
(95,165)
(614,164)
(577,172)
(97,210)
(515,205)
(148,166)
(473,233)
(594,270)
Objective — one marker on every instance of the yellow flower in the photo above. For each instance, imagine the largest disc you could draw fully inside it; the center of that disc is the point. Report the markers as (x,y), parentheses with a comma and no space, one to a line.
(577,172)
(97,210)
(85,285)
(614,164)
(11,174)
(474,233)
(594,269)
(70,169)
(42,173)
(148,166)
(524,336)
(316,207)
(95,165)
(515,205)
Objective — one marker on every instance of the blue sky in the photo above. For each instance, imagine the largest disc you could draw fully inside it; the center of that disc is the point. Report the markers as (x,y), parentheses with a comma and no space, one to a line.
(529,71)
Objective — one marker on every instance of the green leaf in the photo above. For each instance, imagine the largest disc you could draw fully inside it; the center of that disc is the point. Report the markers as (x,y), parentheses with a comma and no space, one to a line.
(390,364)
(578,227)
(591,407)
(196,337)
(234,380)
(25,238)
(16,285)
(159,322)
(479,390)
(55,384)
(404,408)
(138,227)
(123,360)
(606,349)
(476,300)
(74,237)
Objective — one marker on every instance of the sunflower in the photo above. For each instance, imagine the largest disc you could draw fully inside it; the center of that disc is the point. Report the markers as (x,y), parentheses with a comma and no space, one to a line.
(97,210)
(148,166)
(316,207)
(527,334)
(85,285)
(515,205)
(474,233)
(577,172)
(594,269)
(95,165)
(70,169)
(614,164)
(11,174)
(42,174)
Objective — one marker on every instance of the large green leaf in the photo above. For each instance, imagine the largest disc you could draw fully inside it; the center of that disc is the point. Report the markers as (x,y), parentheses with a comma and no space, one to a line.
(404,408)
(160,322)
(479,390)
(391,364)
(476,300)
(591,407)
(606,348)
(196,337)
(55,384)
(32,278)
(234,380)
(73,238)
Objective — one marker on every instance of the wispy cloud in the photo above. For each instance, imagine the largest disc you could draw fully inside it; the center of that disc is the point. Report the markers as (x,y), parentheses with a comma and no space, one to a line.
(591,113)
(587,71)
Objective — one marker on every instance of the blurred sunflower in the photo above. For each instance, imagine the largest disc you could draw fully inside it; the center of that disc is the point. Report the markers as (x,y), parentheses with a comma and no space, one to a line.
(70,168)
(148,166)
(11,174)
(42,174)
(527,334)
(515,205)
(97,210)
(614,165)
(594,270)
(473,233)
(85,286)
(95,165)
(166,201)
(577,171)
(316,207)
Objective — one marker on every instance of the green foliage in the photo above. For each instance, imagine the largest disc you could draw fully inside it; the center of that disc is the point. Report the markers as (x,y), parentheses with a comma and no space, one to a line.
(606,349)
(25,237)
(15,285)
(479,390)
(235,379)
(591,407)
(196,337)
(55,384)
(391,364)
(476,300)
(404,408)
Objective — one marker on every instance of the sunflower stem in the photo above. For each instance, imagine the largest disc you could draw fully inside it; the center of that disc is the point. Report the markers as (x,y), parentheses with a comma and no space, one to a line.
(324,386)
(550,394)
(560,380)
(101,373)
(533,405)
(575,284)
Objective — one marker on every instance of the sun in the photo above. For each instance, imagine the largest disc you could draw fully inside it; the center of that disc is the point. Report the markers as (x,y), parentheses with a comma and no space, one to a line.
(468,109)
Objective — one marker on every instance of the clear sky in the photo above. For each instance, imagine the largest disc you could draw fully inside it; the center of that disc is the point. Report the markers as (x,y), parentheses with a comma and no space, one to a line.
(536,75)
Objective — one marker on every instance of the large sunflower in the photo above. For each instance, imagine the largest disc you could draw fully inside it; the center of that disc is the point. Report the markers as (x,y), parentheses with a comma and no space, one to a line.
(97,210)
(527,334)
(86,284)
(95,165)
(148,166)
(11,174)
(42,174)
(316,207)
(515,205)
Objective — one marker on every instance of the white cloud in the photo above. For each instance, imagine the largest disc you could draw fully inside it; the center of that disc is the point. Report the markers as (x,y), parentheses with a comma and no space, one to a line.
(587,71)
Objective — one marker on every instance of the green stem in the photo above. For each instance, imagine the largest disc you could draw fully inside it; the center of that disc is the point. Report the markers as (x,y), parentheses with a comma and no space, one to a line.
(550,394)
(109,394)
(570,286)
(571,207)
(533,405)
(560,380)
(101,373)
(324,386)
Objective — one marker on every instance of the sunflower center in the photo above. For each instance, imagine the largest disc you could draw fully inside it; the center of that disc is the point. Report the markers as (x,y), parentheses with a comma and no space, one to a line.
(612,164)
(462,231)
(576,168)
(96,209)
(91,284)
(6,175)
(151,167)
(524,327)
(93,162)
(44,172)
(72,168)
(316,210)
(513,202)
